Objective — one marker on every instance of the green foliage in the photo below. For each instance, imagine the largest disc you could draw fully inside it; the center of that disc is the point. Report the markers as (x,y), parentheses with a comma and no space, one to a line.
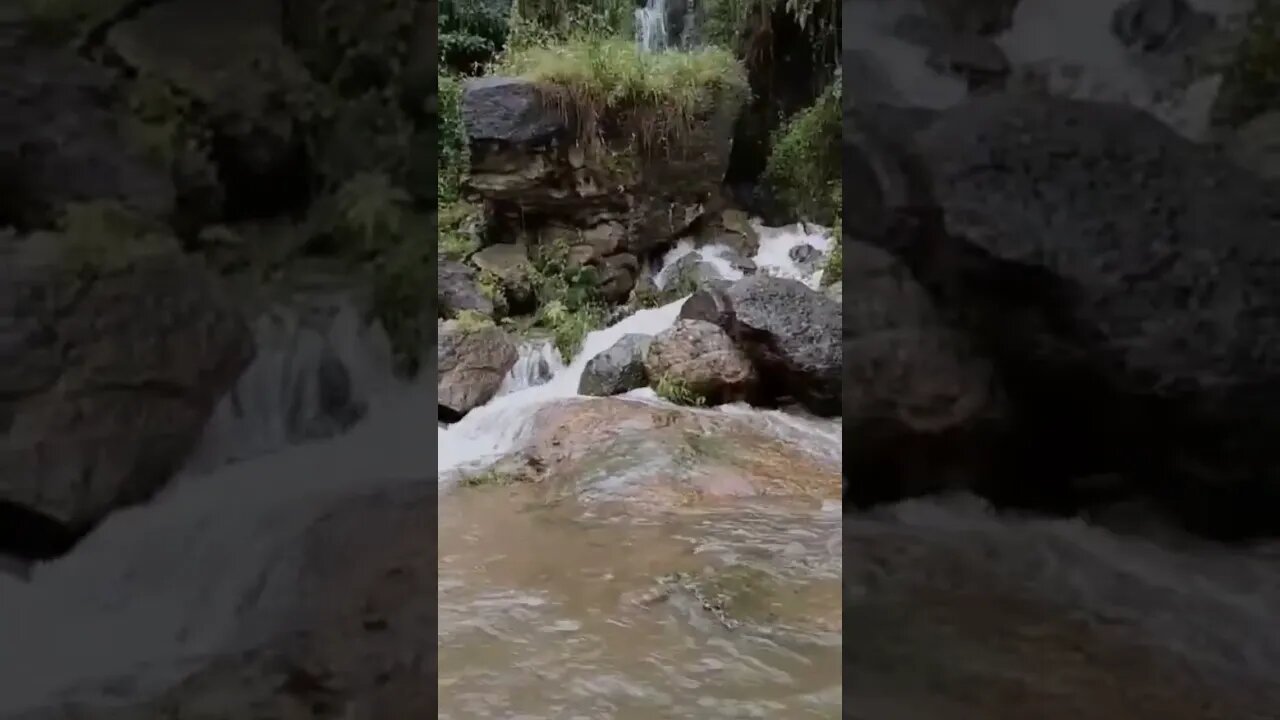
(568,297)
(458,238)
(746,26)
(555,278)
(570,326)
(472,320)
(677,391)
(804,165)
(104,236)
(833,271)
(487,478)
(1251,83)
(472,32)
(372,211)
(454,158)
(541,23)
(404,286)
(375,218)
(600,82)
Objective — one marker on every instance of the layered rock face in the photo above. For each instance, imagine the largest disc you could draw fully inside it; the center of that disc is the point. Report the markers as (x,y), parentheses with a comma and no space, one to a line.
(611,205)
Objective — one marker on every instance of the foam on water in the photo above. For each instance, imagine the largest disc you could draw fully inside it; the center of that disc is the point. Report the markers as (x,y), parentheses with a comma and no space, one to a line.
(1070,44)
(210,564)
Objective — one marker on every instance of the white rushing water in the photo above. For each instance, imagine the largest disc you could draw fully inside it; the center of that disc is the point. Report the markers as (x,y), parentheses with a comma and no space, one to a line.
(651,26)
(1068,44)
(210,565)
(498,426)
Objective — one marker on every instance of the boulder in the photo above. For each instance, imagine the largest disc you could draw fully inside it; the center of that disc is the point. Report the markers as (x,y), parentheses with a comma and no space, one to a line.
(60,141)
(617,370)
(1122,280)
(664,457)
(110,373)
(690,273)
(806,257)
(921,406)
(458,290)
(700,359)
(791,333)
(525,164)
(471,363)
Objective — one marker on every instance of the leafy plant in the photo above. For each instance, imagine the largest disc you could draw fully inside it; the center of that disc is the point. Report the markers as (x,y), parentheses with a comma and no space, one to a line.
(458,239)
(454,156)
(473,320)
(804,166)
(104,236)
(677,391)
(570,326)
(372,210)
(472,32)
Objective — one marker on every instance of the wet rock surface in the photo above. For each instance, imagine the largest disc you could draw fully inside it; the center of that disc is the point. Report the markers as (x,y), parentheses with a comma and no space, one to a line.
(619,369)
(109,377)
(471,363)
(1126,324)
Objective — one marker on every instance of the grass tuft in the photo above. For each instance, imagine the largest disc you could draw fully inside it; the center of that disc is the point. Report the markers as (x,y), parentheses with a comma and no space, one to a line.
(609,82)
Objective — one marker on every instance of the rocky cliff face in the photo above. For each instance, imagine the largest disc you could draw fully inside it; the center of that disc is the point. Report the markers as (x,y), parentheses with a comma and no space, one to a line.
(612,204)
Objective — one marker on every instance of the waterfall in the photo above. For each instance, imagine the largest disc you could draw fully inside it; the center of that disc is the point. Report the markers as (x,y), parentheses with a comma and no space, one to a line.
(651,26)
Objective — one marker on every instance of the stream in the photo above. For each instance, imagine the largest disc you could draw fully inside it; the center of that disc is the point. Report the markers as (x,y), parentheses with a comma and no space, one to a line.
(542,606)
(546,610)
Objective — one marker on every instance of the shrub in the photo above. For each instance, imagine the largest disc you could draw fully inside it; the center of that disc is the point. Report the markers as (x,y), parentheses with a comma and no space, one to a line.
(104,236)
(472,32)
(675,390)
(804,164)
(598,82)
(570,326)
(458,238)
(1251,82)
(454,158)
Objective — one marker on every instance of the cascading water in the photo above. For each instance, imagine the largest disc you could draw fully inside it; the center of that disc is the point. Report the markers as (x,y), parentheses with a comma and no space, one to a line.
(210,565)
(537,585)
(651,26)
(1069,45)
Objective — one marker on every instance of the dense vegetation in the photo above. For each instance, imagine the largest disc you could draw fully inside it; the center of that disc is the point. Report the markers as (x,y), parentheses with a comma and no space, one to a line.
(585,55)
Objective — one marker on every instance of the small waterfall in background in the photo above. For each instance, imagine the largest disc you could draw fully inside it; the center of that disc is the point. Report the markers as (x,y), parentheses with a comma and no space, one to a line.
(651,26)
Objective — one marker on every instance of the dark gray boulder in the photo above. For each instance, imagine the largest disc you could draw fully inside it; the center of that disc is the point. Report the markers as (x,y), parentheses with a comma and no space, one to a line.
(1124,282)
(617,370)
(458,290)
(791,333)
(507,110)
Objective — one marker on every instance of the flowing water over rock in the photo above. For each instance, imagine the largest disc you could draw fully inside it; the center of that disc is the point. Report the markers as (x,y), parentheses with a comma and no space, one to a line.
(552,608)
(602,595)
(955,611)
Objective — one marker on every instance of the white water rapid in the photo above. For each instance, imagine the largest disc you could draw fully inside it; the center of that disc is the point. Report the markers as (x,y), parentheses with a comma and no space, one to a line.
(1067,44)
(497,427)
(209,566)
